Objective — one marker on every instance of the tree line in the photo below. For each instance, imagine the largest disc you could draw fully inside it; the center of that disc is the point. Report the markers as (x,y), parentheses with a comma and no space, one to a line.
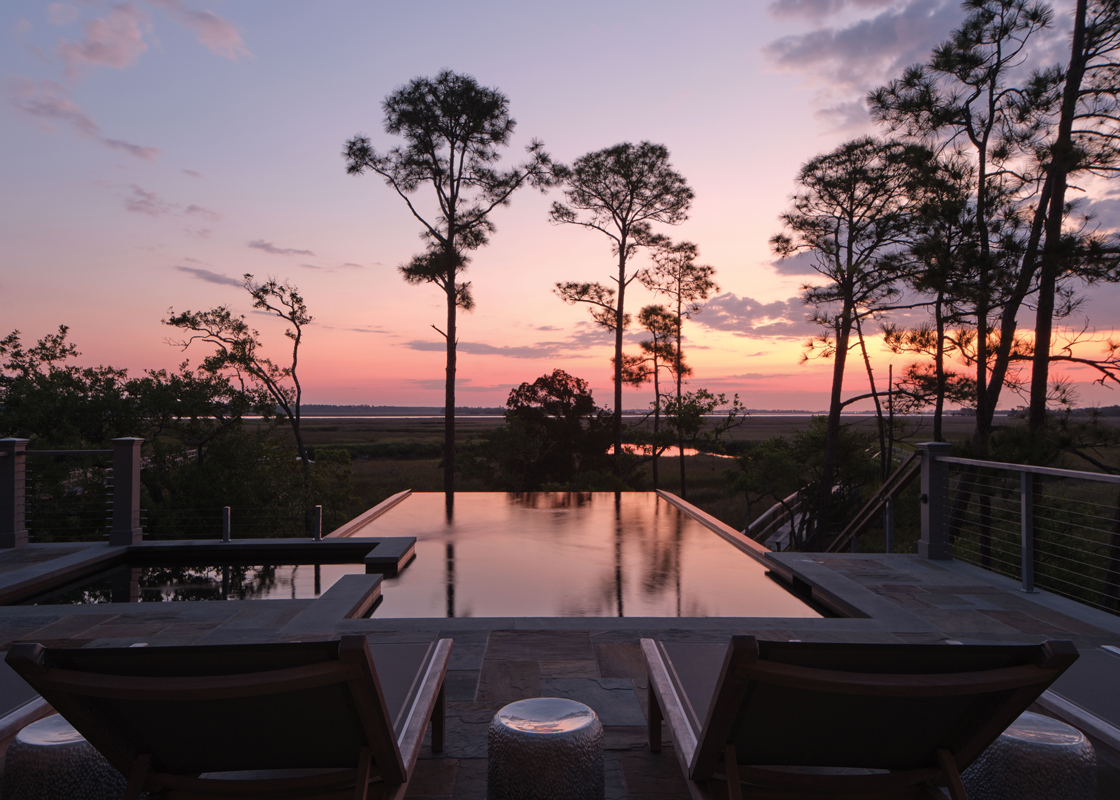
(960,211)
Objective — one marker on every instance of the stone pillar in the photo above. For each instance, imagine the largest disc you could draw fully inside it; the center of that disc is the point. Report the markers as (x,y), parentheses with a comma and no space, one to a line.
(934,498)
(13,481)
(126,528)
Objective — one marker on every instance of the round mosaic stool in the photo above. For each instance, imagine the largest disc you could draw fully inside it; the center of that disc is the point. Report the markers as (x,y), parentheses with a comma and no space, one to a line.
(49,759)
(547,748)
(1035,758)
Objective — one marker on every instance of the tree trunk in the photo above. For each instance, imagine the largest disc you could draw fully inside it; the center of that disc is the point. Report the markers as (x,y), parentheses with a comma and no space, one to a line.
(619,318)
(656,413)
(884,462)
(1062,157)
(832,431)
(680,430)
(939,368)
(449,388)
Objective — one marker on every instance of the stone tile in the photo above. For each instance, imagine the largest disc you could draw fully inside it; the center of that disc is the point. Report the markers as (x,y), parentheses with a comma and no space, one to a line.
(618,660)
(70,626)
(653,774)
(895,588)
(433,777)
(569,669)
(539,646)
(506,681)
(964,621)
(461,685)
(466,637)
(613,699)
(467,723)
(626,738)
(113,628)
(614,785)
(1070,624)
(466,656)
(1024,622)
(470,779)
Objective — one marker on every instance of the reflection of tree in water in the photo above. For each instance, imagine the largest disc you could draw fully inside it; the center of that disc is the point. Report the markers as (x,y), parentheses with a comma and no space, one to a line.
(648,543)
(551,500)
(188,583)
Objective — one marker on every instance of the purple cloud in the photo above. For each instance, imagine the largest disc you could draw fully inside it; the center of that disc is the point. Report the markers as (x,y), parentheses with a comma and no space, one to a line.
(208,276)
(818,9)
(147,203)
(203,213)
(192,173)
(797,264)
(269,247)
(216,34)
(46,102)
(867,52)
(783,319)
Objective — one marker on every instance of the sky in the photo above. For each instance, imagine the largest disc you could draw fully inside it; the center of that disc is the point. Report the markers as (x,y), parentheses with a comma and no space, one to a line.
(157,150)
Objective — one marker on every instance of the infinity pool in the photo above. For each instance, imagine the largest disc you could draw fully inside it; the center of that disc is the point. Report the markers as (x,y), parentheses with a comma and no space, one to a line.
(631,554)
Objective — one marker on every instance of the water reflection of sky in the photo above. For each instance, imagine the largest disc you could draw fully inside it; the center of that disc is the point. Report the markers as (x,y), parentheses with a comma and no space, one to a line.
(569,555)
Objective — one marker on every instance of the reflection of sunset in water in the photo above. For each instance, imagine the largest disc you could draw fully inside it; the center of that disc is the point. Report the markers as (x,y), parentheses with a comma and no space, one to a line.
(569,554)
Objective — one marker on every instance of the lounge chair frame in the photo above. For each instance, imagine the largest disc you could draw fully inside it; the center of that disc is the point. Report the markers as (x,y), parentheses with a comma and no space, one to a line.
(117,698)
(837,683)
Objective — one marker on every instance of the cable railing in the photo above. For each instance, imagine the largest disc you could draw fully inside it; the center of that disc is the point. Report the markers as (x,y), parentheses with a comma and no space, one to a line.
(230,522)
(1051,529)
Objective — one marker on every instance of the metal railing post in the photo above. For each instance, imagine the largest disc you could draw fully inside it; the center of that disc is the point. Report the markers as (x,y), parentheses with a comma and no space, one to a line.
(888,525)
(13,487)
(935,543)
(225,524)
(1026,529)
(317,524)
(126,528)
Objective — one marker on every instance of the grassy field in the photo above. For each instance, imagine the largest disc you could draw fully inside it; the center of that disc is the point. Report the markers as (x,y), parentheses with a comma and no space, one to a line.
(391,455)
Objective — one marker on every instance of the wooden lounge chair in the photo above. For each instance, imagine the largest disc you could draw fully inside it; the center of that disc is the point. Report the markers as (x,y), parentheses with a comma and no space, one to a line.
(272,720)
(799,719)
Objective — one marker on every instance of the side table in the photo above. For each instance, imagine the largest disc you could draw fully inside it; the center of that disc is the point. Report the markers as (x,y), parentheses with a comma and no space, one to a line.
(547,748)
(1036,758)
(49,759)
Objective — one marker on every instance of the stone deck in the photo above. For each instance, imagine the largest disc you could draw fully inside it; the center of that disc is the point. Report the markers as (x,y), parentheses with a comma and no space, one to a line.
(597,660)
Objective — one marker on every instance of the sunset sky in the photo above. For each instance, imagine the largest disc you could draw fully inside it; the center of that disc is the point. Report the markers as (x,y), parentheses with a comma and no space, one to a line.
(155,150)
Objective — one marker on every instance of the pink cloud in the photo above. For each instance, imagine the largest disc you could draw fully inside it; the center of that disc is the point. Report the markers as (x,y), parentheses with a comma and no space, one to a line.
(141,201)
(216,34)
(269,247)
(148,203)
(47,102)
(204,213)
(114,41)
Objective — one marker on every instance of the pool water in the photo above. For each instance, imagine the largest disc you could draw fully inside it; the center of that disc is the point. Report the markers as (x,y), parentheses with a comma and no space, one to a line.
(185,582)
(569,554)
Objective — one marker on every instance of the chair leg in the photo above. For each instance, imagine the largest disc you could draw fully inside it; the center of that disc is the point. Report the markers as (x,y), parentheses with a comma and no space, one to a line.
(439,720)
(654,721)
(361,784)
(136,776)
(952,775)
(731,770)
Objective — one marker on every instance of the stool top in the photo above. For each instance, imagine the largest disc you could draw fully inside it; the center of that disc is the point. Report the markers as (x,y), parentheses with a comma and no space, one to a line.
(1040,729)
(545,715)
(52,730)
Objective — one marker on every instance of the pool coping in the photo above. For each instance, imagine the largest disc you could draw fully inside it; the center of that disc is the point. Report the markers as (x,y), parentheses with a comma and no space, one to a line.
(380,555)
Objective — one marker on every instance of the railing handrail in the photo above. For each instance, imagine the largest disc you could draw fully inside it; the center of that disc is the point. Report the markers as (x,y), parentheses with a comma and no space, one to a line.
(1057,473)
(68,452)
